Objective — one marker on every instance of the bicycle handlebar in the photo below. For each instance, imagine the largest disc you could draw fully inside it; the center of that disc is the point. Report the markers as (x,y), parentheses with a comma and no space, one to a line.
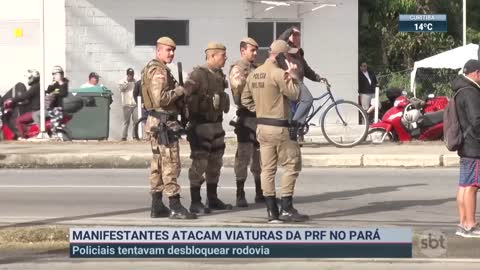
(326,82)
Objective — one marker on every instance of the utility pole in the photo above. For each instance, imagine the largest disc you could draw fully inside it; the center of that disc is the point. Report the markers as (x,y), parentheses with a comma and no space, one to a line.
(464,22)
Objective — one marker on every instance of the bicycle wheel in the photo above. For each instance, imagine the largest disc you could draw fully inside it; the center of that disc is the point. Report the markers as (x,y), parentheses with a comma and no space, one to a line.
(63,136)
(139,128)
(341,125)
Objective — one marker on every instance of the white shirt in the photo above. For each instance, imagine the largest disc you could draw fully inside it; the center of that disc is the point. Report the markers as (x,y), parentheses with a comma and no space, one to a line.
(126,90)
(368,77)
(87,84)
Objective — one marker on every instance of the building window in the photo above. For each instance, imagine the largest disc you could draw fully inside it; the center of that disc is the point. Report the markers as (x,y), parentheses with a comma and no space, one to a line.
(148,31)
(262,32)
(265,32)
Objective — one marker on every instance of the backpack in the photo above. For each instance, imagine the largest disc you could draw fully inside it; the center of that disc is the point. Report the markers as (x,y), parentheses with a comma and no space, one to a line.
(452,131)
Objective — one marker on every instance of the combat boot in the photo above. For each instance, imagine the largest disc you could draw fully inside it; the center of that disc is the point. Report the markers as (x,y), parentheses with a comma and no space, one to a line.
(258,191)
(158,209)
(241,201)
(290,214)
(272,209)
(177,211)
(197,206)
(213,202)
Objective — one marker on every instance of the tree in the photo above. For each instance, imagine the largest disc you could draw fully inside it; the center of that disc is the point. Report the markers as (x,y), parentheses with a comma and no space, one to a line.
(380,38)
(473,21)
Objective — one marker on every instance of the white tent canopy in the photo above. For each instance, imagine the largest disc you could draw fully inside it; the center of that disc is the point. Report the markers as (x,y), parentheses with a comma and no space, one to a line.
(453,59)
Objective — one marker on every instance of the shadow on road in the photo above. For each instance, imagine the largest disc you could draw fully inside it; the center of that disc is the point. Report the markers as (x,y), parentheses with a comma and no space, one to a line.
(383,207)
(60,219)
(367,209)
(300,199)
(330,196)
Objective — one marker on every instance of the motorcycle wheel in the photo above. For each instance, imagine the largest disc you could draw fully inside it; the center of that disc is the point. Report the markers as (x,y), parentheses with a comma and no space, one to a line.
(378,136)
(63,136)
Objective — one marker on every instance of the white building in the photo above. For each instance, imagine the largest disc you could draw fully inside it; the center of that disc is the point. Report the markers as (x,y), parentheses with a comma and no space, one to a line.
(108,36)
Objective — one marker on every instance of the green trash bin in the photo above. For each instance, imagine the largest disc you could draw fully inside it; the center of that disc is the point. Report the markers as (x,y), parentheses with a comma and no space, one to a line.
(92,122)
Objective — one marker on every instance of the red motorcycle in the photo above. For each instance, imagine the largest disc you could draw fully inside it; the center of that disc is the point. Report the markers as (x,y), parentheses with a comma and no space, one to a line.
(55,124)
(410,119)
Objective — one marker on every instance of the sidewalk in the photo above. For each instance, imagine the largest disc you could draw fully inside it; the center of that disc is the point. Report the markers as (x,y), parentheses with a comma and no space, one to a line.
(138,154)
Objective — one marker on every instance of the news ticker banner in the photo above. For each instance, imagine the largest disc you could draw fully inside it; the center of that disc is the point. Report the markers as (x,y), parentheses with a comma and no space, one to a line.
(222,242)
(422,23)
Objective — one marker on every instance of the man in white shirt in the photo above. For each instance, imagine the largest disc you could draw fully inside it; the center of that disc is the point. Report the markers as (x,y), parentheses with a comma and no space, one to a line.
(93,80)
(126,86)
(366,85)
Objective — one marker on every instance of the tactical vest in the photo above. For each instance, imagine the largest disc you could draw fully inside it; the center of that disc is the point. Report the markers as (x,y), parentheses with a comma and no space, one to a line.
(147,75)
(245,70)
(201,103)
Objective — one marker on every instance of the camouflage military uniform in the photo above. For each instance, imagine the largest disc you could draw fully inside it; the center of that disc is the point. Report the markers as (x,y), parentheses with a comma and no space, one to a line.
(206,105)
(160,92)
(165,165)
(245,128)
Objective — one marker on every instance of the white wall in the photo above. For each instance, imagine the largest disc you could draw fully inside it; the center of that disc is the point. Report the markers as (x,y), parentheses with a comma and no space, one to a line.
(331,46)
(330,42)
(20,54)
(100,37)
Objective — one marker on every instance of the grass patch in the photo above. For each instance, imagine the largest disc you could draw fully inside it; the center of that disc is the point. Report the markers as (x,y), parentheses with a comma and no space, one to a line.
(34,235)
(36,247)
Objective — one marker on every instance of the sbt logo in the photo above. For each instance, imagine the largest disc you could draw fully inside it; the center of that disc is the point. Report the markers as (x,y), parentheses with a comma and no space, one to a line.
(433,243)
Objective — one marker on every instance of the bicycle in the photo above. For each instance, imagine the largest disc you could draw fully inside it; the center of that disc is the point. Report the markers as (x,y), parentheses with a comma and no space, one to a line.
(343,123)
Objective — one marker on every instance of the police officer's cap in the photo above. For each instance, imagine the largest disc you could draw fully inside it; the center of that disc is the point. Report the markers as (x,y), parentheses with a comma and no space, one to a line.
(215,46)
(281,46)
(167,41)
(250,41)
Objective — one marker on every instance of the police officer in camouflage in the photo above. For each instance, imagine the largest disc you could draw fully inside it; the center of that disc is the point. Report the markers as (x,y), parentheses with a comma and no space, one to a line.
(267,92)
(160,92)
(245,124)
(206,105)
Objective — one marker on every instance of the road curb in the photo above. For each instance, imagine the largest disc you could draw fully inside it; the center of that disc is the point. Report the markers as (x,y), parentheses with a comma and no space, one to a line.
(318,161)
(390,160)
(112,160)
(451,160)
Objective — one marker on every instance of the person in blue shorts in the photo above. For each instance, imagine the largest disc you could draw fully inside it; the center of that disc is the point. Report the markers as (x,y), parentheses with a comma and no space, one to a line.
(468,111)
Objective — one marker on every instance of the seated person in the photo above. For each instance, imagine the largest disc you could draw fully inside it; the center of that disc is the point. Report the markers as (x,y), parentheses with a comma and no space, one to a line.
(56,91)
(32,96)
(293,36)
